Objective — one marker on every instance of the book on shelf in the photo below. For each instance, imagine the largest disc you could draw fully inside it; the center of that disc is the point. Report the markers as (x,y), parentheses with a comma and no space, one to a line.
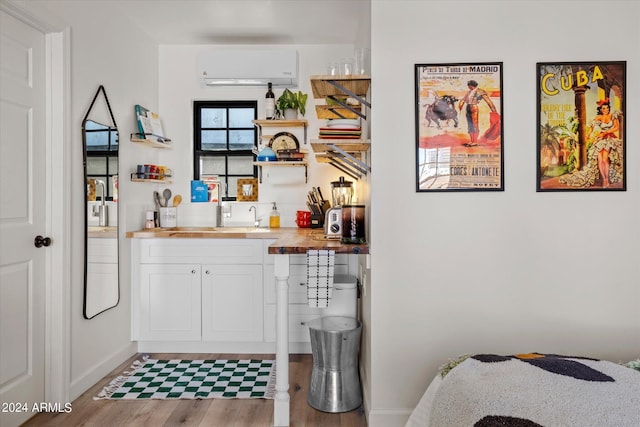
(149,124)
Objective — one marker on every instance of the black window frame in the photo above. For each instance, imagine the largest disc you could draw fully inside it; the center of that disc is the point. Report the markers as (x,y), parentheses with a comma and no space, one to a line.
(198,152)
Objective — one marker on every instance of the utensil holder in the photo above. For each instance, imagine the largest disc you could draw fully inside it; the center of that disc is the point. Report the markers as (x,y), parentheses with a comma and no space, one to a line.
(168,217)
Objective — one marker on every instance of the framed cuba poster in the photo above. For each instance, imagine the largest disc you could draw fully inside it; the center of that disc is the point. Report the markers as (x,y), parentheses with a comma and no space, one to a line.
(459,127)
(581,126)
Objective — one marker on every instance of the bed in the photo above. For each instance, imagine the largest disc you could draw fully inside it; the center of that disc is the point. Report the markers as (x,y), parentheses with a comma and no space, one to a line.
(530,390)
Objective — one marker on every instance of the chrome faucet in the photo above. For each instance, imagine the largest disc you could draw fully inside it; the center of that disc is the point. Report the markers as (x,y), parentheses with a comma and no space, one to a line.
(221,211)
(256,221)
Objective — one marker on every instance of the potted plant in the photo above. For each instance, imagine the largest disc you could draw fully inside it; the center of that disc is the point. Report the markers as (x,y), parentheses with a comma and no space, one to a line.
(289,103)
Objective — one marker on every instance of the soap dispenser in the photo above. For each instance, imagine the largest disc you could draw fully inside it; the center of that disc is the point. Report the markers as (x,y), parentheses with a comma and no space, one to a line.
(274,218)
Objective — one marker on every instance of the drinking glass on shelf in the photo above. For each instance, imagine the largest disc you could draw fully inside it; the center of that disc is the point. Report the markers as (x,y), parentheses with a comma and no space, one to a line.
(360,58)
(346,66)
(333,68)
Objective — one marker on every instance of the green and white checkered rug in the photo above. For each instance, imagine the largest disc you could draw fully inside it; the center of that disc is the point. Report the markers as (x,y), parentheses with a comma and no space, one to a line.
(194,379)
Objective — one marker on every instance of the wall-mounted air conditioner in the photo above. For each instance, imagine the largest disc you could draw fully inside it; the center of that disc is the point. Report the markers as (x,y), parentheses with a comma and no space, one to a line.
(233,67)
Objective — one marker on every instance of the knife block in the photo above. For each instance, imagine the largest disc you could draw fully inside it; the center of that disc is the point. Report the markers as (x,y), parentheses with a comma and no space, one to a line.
(317,221)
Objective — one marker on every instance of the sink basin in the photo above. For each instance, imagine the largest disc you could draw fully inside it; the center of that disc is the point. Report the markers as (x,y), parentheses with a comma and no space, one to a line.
(218,230)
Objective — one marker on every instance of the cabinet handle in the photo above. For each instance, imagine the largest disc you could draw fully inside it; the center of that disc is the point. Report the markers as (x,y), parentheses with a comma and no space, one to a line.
(193,272)
(303,284)
(207,272)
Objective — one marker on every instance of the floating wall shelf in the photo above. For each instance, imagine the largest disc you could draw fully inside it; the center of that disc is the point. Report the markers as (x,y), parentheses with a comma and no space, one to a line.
(345,155)
(260,124)
(336,88)
(289,163)
(138,139)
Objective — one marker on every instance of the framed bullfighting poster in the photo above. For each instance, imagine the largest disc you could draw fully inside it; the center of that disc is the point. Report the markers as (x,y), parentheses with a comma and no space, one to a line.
(581,126)
(459,127)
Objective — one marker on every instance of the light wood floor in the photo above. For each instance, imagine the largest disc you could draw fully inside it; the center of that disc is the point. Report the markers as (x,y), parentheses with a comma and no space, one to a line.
(209,412)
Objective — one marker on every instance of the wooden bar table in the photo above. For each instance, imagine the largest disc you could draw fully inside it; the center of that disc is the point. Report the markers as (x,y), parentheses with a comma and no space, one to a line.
(297,241)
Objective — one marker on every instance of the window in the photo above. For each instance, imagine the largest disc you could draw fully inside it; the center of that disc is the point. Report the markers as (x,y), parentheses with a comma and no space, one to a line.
(224,138)
(102,155)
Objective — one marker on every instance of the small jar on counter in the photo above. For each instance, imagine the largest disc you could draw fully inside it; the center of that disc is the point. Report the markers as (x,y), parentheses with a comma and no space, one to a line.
(150,221)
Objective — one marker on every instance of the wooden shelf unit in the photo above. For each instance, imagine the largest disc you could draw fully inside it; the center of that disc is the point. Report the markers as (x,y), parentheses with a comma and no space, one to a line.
(344,154)
(338,112)
(356,85)
(260,124)
(337,88)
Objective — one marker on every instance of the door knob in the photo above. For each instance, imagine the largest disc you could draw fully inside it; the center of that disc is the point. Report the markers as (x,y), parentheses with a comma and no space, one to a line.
(40,241)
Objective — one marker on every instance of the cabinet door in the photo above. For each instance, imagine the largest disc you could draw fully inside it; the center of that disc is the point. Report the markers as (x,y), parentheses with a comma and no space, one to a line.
(232,304)
(169,302)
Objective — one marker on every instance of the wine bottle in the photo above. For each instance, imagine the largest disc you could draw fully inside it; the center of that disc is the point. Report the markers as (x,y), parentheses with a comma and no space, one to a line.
(270,103)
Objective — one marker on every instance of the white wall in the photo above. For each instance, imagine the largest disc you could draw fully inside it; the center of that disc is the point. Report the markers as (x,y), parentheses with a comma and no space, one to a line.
(120,60)
(179,87)
(104,51)
(506,272)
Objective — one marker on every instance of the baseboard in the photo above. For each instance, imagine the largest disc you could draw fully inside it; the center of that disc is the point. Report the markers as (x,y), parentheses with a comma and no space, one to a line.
(381,417)
(218,347)
(388,417)
(102,368)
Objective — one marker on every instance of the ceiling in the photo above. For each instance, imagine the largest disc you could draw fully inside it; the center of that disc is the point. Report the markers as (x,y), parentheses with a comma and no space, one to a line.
(223,21)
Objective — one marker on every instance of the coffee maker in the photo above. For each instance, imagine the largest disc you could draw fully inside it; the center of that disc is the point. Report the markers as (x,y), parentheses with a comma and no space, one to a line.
(341,194)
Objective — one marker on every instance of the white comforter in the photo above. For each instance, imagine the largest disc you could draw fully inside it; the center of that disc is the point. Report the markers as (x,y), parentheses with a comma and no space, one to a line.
(529,391)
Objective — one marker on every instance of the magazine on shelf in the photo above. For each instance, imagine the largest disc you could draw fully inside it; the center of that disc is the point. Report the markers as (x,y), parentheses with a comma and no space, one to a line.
(149,124)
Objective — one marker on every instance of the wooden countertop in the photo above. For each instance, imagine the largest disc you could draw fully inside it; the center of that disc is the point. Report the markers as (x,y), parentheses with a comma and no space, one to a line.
(102,232)
(288,240)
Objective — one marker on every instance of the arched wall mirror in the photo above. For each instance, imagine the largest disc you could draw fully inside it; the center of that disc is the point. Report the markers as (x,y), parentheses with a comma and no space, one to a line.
(100,159)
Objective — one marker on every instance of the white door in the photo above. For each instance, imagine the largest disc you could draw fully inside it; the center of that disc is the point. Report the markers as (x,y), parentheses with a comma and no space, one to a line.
(22,218)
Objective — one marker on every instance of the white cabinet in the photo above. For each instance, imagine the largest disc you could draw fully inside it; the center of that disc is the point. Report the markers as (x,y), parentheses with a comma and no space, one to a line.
(216,296)
(169,304)
(197,290)
(232,303)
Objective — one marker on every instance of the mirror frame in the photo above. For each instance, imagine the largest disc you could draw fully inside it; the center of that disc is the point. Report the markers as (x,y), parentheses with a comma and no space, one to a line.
(113,126)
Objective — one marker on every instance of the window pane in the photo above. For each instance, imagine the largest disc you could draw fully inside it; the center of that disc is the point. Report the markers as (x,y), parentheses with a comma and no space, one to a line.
(212,165)
(114,141)
(113,165)
(96,166)
(241,139)
(241,117)
(214,140)
(97,141)
(241,165)
(97,136)
(213,118)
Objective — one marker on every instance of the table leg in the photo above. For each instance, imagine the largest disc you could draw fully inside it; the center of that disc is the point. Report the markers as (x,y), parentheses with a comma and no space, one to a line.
(281,401)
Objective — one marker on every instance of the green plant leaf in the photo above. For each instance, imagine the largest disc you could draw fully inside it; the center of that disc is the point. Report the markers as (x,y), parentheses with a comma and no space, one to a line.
(288,99)
(302,102)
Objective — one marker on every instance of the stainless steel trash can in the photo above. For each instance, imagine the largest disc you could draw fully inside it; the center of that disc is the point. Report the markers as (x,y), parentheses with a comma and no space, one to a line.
(335,382)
